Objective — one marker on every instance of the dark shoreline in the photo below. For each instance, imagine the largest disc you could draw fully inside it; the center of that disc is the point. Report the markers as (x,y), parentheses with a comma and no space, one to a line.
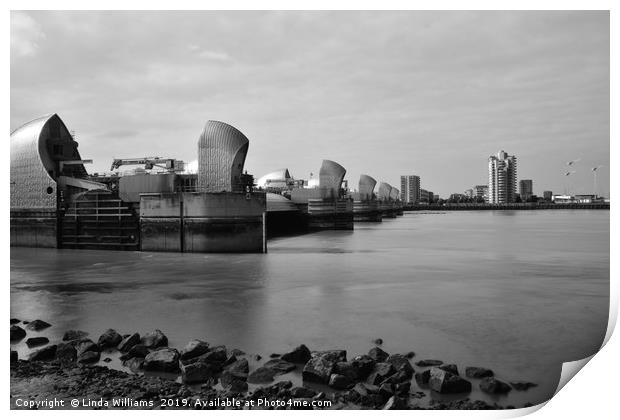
(201,376)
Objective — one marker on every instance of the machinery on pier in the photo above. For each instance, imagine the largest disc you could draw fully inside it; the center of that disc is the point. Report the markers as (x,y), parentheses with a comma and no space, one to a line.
(170,165)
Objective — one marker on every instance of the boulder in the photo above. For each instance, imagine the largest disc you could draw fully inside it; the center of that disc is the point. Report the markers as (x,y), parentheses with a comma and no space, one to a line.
(237,352)
(88,357)
(319,369)
(135,364)
(14,356)
(381,372)
(262,375)
(378,355)
(429,362)
(15,321)
(410,355)
(216,354)
(74,335)
(302,392)
(162,360)
(128,342)
(17,333)
(154,339)
(139,350)
(349,370)
(338,381)
(84,345)
(447,383)
(395,403)
(422,377)
(240,368)
(38,325)
(235,386)
(522,386)
(402,389)
(300,354)
(194,348)
(43,354)
(36,341)
(110,338)
(401,364)
(66,353)
(452,368)
(364,365)
(363,389)
(386,391)
(490,385)
(478,372)
(107,360)
(335,355)
(198,372)
(280,366)
(378,341)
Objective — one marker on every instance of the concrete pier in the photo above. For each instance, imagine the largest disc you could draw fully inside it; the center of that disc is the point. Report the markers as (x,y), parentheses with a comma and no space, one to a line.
(37,228)
(366,211)
(329,213)
(203,222)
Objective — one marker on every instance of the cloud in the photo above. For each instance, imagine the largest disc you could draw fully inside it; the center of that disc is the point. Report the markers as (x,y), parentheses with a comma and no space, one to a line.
(26,34)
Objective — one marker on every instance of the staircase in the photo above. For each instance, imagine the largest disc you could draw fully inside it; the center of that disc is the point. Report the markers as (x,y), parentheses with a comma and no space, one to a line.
(100,220)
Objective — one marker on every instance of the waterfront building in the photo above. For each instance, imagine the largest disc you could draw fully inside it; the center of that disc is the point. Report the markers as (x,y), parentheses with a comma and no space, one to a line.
(425,196)
(502,178)
(526,189)
(547,195)
(277,181)
(469,193)
(410,189)
(481,191)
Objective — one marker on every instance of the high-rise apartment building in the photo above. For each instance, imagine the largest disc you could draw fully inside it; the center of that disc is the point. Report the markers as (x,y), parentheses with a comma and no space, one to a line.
(502,178)
(526,189)
(410,188)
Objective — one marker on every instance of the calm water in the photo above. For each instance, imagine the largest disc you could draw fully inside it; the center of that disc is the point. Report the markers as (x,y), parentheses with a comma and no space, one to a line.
(517,292)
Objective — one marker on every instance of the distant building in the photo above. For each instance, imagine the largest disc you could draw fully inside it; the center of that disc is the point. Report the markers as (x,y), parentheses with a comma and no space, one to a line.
(563,198)
(426,196)
(435,197)
(410,188)
(502,178)
(548,195)
(469,193)
(482,191)
(526,189)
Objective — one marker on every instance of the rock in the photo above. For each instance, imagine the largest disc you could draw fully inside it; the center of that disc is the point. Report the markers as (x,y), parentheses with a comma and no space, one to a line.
(216,354)
(229,360)
(302,392)
(88,357)
(490,385)
(44,354)
(233,385)
(240,368)
(17,333)
(128,342)
(154,340)
(364,389)
(15,321)
(84,345)
(378,355)
(381,372)
(139,350)
(257,357)
(237,352)
(38,325)
(335,355)
(402,389)
(107,360)
(429,362)
(66,353)
(110,338)
(162,360)
(478,372)
(422,377)
(36,341)
(410,355)
(386,391)
(453,369)
(135,364)
(280,366)
(262,375)
(274,355)
(198,372)
(319,368)
(447,383)
(364,365)
(193,349)
(401,364)
(74,335)
(14,356)
(378,341)
(338,381)
(395,403)
(300,354)
(349,370)
(523,386)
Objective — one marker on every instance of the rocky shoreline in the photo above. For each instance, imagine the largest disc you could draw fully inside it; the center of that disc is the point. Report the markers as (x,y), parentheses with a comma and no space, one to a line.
(201,375)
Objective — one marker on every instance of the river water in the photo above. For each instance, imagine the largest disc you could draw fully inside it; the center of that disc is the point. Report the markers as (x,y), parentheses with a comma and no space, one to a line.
(519,292)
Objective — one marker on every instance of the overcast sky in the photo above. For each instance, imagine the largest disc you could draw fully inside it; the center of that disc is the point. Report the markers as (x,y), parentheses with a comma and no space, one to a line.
(382,93)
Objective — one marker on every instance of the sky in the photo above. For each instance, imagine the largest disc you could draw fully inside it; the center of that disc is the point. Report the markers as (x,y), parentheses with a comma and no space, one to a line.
(382,93)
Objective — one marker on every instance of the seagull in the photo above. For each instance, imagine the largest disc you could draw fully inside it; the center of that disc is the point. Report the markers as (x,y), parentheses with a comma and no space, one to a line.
(596,168)
(571,162)
(569,172)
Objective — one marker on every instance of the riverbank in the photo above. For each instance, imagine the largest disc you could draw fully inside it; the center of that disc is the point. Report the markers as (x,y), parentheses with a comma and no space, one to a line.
(76,372)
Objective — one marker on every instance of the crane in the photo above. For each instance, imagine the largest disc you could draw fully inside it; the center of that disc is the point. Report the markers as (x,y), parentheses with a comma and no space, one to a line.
(170,165)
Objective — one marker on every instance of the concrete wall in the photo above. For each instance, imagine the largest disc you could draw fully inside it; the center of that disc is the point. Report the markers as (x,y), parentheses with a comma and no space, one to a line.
(203,222)
(34,228)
